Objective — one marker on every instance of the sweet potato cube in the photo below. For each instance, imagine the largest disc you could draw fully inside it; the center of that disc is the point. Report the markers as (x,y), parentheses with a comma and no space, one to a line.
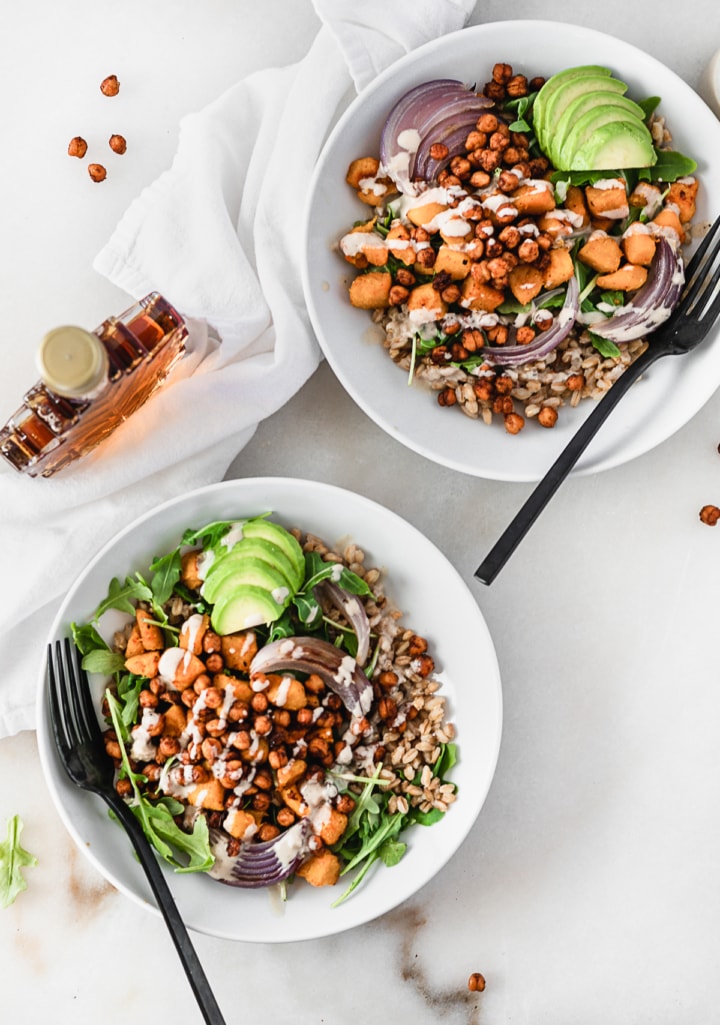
(291,773)
(683,194)
(292,797)
(419,215)
(238,650)
(453,262)
(526,282)
(639,248)
(240,824)
(559,269)
(363,167)
(575,203)
(144,665)
(175,720)
(192,632)
(322,869)
(405,253)
(478,296)
(286,692)
(189,570)
(668,218)
(134,644)
(334,824)
(371,291)
(609,202)
(626,279)
(533,198)
(241,688)
(187,670)
(424,297)
(602,253)
(210,795)
(150,633)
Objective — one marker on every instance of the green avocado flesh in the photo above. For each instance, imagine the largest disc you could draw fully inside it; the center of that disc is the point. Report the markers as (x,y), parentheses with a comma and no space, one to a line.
(250,583)
(266,530)
(586,113)
(584,122)
(246,570)
(556,83)
(243,608)
(617,145)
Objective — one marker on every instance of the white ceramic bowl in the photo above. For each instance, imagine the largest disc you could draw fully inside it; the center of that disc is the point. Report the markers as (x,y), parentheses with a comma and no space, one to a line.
(436,603)
(671,393)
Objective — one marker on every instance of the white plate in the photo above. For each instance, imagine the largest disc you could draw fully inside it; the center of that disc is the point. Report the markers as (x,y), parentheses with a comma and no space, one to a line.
(437,604)
(672,392)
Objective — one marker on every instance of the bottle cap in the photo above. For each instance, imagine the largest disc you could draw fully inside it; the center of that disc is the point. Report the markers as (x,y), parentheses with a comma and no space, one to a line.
(72,361)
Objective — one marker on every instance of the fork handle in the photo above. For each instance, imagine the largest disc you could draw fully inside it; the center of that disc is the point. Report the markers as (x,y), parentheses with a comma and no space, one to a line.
(539,498)
(190,961)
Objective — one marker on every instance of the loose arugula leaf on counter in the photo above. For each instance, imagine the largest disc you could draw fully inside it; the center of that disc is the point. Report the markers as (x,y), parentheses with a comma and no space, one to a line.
(156,817)
(13,858)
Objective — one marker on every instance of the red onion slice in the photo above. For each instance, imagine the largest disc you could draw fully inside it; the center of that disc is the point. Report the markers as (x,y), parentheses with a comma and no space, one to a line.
(413,119)
(452,131)
(263,864)
(354,611)
(545,341)
(340,672)
(653,303)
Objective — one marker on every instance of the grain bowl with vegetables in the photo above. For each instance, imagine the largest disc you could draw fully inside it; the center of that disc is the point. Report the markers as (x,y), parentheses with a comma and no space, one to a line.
(476,289)
(524,238)
(280,724)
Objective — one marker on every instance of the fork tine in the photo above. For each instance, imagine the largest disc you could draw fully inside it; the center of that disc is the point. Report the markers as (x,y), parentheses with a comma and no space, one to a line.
(710,297)
(707,287)
(57,714)
(80,695)
(705,254)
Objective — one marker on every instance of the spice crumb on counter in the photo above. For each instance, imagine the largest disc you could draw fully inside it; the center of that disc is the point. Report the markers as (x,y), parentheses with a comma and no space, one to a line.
(476,982)
(709,514)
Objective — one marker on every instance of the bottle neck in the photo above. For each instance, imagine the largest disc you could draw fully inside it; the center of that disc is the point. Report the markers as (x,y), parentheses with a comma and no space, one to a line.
(73,362)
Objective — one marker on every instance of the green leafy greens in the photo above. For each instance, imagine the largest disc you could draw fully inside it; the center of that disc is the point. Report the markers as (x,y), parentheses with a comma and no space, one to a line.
(13,858)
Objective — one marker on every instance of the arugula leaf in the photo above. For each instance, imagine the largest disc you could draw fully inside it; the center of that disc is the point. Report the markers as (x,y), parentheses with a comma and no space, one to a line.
(668,167)
(156,817)
(165,575)
(308,609)
(649,105)
(106,662)
(613,298)
(317,570)
(121,596)
(87,638)
(392,851)
(13,858)
(604,346)
(212,533)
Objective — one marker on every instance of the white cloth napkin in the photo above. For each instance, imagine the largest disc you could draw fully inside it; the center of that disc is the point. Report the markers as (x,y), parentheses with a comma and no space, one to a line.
(219,234)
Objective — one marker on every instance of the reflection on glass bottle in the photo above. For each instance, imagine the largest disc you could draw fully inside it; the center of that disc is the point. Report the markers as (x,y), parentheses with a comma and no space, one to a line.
(90,382)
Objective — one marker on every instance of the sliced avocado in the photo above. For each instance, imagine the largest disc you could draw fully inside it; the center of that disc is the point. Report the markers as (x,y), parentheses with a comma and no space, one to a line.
(247,570)
(554,83)
(621,144)
(250,548)
(266,530)
(242,608)
(561,100)
(580,114)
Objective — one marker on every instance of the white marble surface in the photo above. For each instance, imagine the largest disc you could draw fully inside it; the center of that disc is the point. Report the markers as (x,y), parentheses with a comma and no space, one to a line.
(589,889)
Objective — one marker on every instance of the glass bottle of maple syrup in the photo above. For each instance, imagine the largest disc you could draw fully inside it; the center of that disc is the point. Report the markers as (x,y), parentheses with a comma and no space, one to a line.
(90,381)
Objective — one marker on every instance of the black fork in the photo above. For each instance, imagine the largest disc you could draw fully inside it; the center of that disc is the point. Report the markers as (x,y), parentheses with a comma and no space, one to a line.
(81,749)
(695,314)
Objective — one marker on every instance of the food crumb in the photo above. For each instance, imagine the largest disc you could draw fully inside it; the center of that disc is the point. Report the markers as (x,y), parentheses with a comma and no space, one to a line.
(77,147)
(709,514)
(97,172)
(117,143)
(110,86)
(476,982)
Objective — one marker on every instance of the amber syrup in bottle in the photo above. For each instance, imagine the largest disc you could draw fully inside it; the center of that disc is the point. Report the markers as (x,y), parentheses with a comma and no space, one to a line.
(90,382)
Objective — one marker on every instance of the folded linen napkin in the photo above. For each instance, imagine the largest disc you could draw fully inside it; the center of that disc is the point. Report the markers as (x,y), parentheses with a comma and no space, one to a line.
(228,197)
